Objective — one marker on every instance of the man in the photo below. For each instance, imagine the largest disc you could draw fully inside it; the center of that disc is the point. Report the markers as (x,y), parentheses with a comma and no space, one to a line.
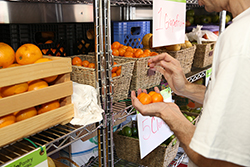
(222,135)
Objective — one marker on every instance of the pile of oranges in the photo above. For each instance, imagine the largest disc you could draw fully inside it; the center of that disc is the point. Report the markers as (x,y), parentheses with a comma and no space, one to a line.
(151,97)
(85,63)
(119,49)
(116,71)
(28,113)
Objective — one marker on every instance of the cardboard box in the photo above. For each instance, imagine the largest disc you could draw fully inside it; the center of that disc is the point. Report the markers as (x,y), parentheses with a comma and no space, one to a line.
(61,89)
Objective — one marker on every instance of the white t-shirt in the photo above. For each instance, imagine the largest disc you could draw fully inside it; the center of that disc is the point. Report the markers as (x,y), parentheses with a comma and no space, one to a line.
(223,131)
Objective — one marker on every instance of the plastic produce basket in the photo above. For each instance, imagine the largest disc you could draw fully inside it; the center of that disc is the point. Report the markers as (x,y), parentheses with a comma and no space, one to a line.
(65,39)
(127,148)
(130,33)
(84,75)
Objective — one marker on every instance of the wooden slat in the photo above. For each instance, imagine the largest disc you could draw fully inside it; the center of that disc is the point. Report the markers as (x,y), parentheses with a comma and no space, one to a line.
(24,73)
(35,124)
(36,97)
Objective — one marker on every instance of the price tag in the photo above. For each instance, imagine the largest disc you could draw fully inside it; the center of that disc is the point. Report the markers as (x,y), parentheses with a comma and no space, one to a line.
(208,75)
(35,158)
(169,17)
(153,130)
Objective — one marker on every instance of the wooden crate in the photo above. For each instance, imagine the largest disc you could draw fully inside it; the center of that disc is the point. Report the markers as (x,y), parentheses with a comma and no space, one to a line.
(61,89)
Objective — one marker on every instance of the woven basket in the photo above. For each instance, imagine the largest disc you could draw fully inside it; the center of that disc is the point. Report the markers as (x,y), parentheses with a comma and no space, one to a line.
(84,75)
(127,148)
(184,56)
(143,77)
(204,54)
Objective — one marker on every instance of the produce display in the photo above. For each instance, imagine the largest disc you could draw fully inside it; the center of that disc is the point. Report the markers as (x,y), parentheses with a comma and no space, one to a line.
(127,51)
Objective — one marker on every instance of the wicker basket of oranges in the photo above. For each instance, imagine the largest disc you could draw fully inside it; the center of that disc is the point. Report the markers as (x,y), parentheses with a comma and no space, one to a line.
(122,70)
(143,77)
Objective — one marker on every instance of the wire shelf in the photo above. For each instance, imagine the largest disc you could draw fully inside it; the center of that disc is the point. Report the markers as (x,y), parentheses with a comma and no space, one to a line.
(54,138)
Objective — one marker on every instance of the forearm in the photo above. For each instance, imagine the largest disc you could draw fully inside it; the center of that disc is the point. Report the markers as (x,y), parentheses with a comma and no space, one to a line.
(184,130)
(194,92)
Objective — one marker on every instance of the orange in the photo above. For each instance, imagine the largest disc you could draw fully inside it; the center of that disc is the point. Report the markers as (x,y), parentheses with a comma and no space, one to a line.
(7,120)
(50,79)
(76,60)
(14,65)
(128,54)
(118,72)
(140,95)
(7,55)
(49,41)
(121,51)
(124,47)
(138,53)
(151,93)
(115,45)
(147,50)
(145,99)
(114,69)
(14,89)
(143,55)
(85,63)
(115,52)
(48,106)
(157,97)
(26,113)
(37,84)
(113,74)
(91,65)
(130,49)
(153,54)
(28,54)
(44,59)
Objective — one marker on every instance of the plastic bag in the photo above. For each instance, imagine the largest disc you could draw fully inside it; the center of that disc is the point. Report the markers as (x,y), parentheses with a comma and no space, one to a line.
(197,35)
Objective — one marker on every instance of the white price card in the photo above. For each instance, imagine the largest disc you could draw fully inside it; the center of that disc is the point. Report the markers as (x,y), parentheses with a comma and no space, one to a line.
(153,130)
(35,158)
(169,18)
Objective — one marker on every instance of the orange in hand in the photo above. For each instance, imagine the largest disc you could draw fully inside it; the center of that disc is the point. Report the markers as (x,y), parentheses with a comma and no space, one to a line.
(157,97)
(145,99)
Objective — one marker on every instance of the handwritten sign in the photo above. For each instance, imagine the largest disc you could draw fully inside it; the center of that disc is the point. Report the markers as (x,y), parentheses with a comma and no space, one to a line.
(34,158)
(169,17)
(153,130)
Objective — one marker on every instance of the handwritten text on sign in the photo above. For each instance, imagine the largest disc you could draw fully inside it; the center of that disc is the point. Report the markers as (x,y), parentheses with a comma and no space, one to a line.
(168,22)
(152,132)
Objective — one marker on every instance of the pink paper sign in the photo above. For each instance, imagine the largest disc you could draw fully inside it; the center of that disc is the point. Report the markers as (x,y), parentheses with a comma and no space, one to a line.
(169,17)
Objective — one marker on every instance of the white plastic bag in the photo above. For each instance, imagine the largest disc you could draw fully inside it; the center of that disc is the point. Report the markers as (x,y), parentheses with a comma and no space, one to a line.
(197,35)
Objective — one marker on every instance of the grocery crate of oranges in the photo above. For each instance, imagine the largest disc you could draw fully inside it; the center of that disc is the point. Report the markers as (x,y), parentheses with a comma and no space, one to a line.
(35,91)
(143,77)
(83,72)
